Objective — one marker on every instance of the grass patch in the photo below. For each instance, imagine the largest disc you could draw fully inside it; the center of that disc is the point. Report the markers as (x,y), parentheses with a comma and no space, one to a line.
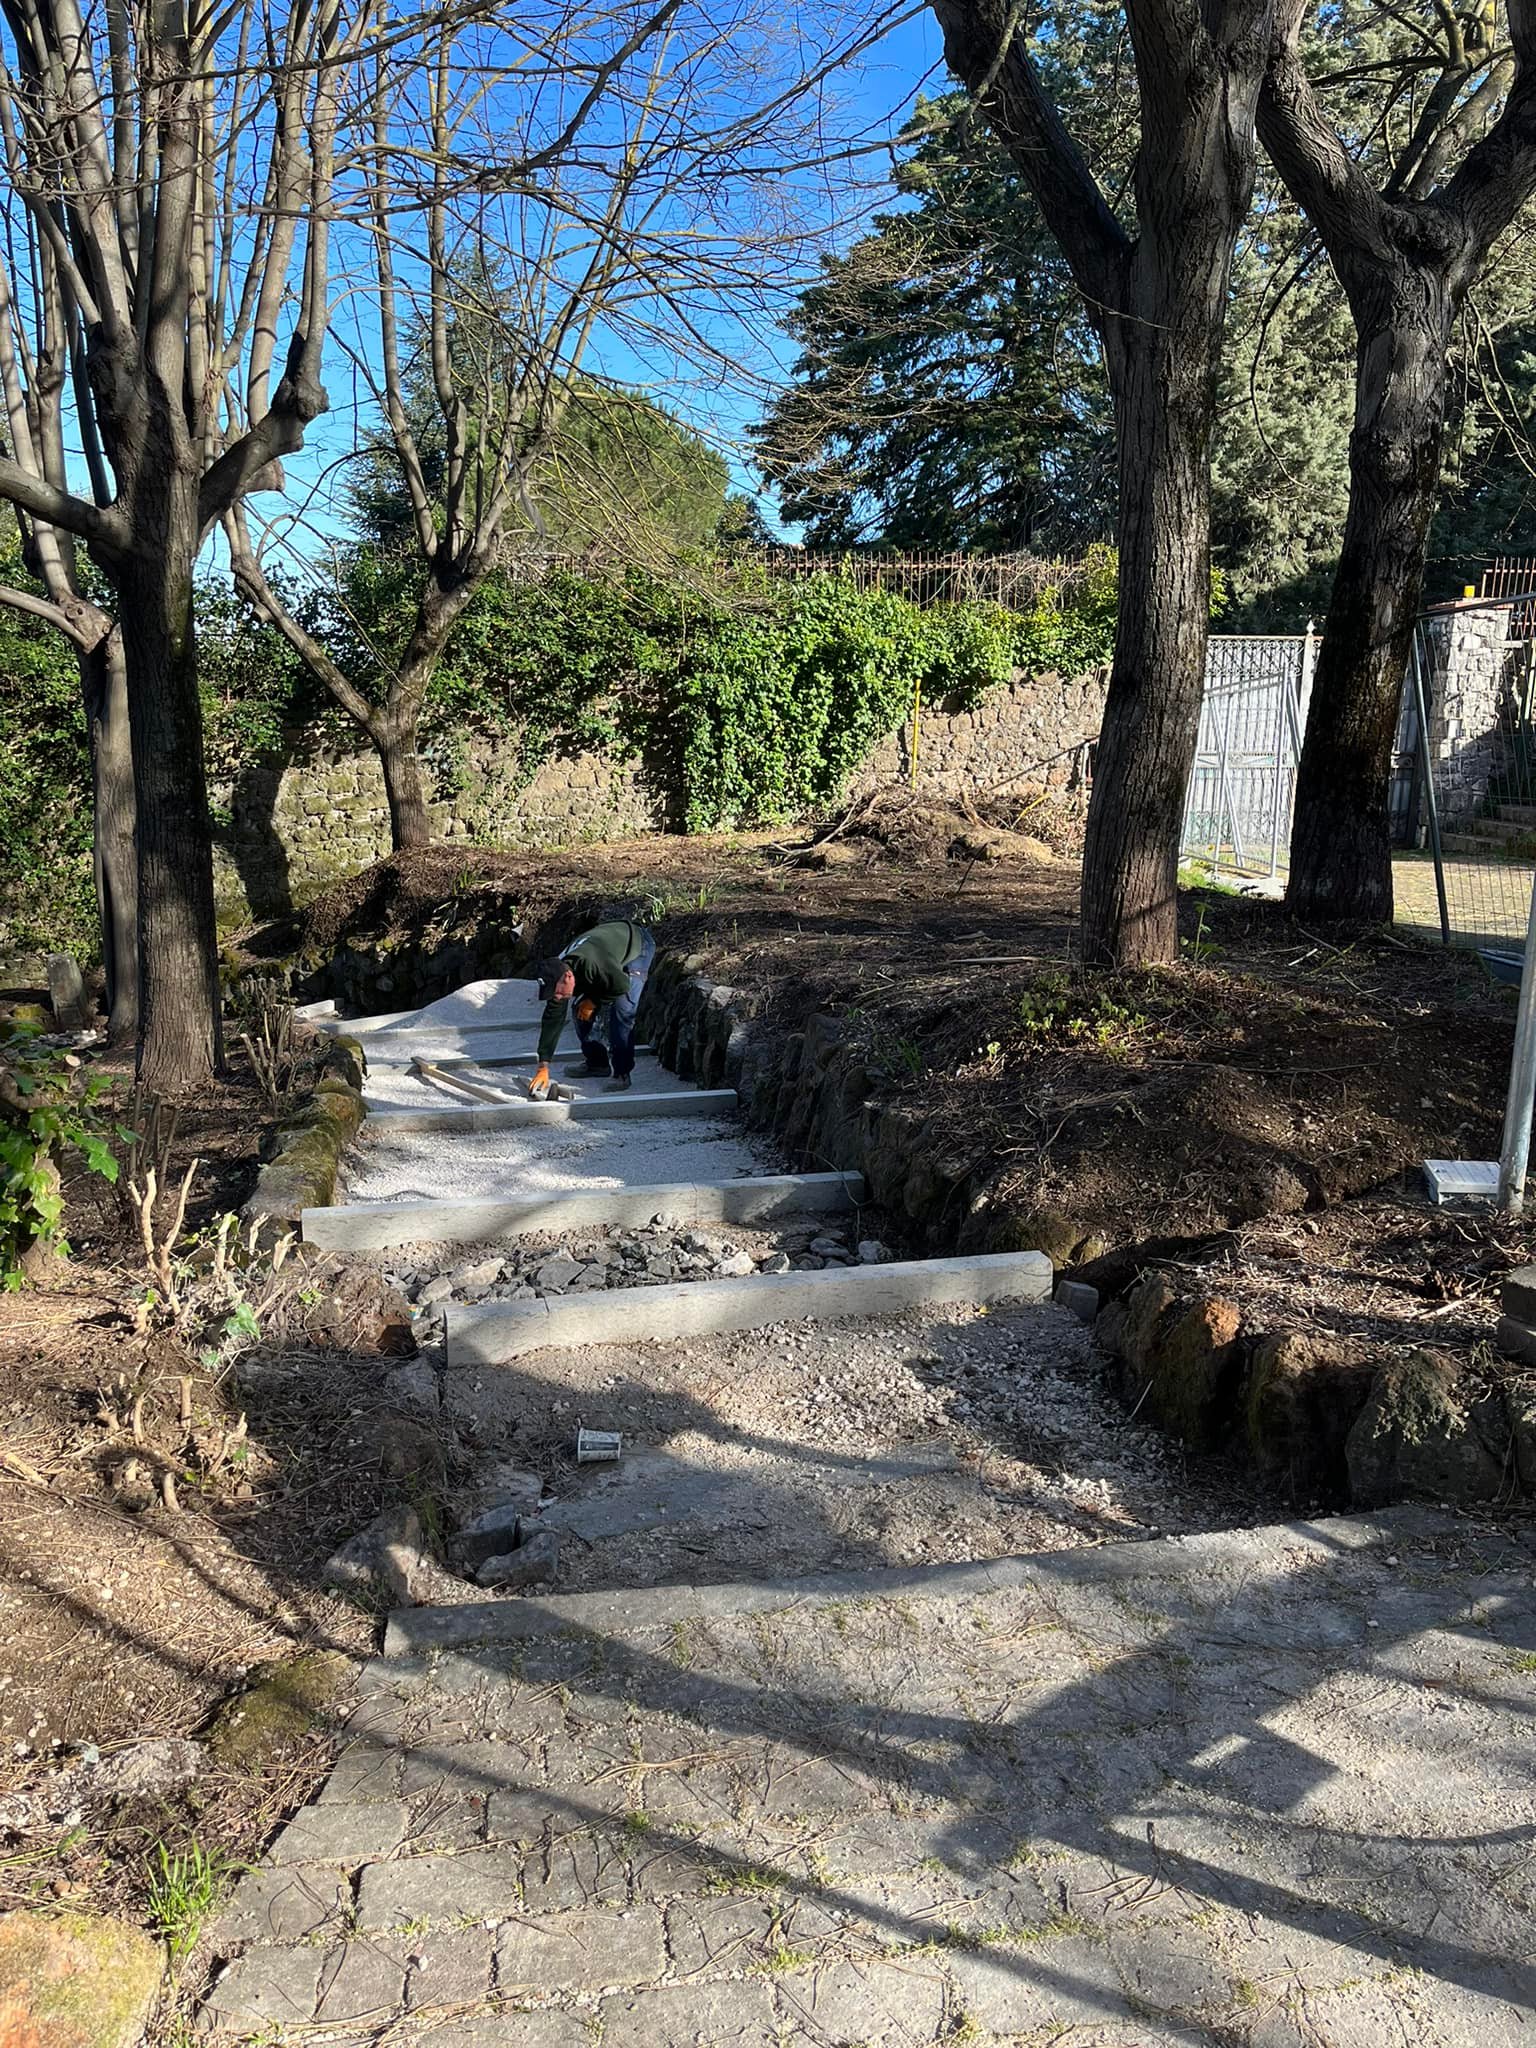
(184,1888)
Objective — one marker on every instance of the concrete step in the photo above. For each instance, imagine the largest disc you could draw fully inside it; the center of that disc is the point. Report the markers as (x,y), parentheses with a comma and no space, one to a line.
(513,1115)
(372,1226)
(1501,829)
(483,1006)
(496,1332)
(510,1048)
(1482,847)
(629,1612)
(1523,815)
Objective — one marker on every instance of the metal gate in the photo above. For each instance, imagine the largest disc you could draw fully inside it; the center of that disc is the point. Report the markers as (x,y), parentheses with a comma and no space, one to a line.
(1237,814)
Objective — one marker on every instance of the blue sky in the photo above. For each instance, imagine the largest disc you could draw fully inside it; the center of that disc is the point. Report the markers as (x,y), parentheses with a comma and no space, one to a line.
(874,98)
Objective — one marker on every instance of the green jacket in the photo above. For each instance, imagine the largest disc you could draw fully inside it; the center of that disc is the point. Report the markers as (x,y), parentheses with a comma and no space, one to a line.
(600,960)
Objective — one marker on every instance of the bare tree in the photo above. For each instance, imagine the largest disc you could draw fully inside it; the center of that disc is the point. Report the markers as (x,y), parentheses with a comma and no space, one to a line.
(599,175)
(1408,251)
(1158,296)
(170,170)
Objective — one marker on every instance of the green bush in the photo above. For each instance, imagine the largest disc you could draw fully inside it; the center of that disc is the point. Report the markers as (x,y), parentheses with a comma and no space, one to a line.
(47,896)
(46,1106)
(753,699)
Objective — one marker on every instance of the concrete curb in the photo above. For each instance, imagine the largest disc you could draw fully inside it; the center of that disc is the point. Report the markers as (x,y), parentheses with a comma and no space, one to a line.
(372,1226)
(512,1115)
(630,1610)
(493,1332)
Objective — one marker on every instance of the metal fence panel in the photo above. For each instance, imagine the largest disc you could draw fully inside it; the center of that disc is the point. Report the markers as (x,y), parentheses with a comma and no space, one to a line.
(1242,790)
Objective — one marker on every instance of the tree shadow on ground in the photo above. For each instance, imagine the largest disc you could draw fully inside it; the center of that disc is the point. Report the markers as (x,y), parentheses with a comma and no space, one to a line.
(1253,1789)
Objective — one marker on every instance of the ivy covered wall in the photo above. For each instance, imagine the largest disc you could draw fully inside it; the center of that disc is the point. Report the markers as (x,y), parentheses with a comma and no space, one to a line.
(578,706)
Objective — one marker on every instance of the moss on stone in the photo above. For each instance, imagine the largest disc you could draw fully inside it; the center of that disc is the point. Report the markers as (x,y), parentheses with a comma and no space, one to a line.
(284,1705)
(75,1980)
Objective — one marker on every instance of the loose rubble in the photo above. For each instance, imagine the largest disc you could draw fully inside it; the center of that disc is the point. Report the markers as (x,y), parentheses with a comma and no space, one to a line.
(532,1269)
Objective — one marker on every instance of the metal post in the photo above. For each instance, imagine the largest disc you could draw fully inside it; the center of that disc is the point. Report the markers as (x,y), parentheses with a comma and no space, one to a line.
(1515,1146)
(1239,853)
(1282,693)
(1427,777)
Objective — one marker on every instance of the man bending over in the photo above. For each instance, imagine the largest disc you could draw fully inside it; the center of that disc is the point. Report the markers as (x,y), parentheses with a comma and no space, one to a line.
(602,973)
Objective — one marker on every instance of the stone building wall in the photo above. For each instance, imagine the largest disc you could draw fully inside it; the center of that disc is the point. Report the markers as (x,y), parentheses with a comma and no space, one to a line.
(287,832)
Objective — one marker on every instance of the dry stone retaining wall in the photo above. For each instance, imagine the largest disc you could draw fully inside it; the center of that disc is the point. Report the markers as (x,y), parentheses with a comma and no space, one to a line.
(1307,1414)
(289,831)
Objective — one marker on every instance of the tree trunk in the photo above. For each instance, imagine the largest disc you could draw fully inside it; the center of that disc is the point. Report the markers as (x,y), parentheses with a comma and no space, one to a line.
(104,683)
(410,822)
(1341,852)
(1161,357)
(180,1042)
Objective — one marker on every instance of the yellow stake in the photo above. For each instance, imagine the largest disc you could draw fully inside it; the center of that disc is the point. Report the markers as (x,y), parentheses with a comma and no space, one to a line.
(917,705)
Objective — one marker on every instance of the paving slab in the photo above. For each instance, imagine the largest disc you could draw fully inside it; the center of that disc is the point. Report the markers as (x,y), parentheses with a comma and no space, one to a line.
(373,1226)
(449,1117)
(1132,1796)
(490,1005)
(392,1087)
(495,1332)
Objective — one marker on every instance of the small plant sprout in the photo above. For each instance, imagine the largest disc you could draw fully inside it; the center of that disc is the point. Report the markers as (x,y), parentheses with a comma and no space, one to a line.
(184,1887)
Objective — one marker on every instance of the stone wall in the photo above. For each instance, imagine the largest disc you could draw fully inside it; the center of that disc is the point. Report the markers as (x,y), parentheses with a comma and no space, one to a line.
(288,831)
(1046,719)
(1467,687)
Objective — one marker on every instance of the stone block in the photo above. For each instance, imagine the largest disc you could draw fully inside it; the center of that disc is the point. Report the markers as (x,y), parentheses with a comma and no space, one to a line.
(581,1952)
(450,1969)
(287,1904)
(723,2015)
(265,1988)
(342,1834)
(360,1981)
(1079,1297)
(1517,1296)
(481,1884)
(1427,1431)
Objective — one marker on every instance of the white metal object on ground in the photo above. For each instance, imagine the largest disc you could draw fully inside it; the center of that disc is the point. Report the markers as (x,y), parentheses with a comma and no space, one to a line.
(1462,1180)
(598,1446)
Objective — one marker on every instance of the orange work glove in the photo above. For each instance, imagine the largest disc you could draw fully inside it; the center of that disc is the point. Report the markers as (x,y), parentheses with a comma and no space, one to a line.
(586,1010)
(538,1087)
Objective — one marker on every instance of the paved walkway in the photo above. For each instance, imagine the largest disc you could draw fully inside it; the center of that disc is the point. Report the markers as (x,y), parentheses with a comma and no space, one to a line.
(1271,1787)
(1262,1789)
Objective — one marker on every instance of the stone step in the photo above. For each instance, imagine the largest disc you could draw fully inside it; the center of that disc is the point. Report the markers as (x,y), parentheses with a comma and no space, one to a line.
(520,1049)
(631,1612)
(1523,815)
(495,1332)
(1481,847)
(513,1004)
(498,1116)
(373,1226)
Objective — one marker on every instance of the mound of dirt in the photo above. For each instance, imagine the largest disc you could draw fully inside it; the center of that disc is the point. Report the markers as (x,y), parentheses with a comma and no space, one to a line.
(406,930)
(901,828)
